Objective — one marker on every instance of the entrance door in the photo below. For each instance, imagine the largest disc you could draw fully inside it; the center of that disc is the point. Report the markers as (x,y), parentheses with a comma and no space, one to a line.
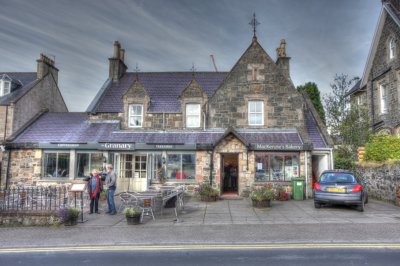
(132,172)
(230,173)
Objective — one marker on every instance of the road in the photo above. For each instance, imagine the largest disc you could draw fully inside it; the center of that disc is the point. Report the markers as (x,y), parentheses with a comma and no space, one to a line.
(268,254)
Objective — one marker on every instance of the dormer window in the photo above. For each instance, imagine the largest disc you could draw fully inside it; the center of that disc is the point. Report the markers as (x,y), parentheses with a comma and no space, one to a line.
(192,115)
(5,87)
(135,115)
(392,48)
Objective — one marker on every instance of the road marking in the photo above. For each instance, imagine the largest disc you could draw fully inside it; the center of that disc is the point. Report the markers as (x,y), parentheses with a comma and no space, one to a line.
(198,247)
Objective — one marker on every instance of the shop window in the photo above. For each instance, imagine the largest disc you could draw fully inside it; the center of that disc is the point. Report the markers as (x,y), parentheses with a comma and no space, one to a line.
(56,164)
(256,113)
(140,166)
(181,166)
(192,115)
(135,115)
(276,167)
(157,170)
(86,162)
(383,92)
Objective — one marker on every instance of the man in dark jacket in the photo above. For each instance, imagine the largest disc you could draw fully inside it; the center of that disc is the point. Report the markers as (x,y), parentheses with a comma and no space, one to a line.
(111,184)
(95,187)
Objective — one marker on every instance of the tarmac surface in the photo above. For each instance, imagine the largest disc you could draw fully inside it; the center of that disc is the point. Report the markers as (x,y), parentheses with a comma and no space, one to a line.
(224,221)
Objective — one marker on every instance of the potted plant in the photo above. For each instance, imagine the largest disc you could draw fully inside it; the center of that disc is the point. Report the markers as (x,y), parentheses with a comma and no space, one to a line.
(262,197)
(69,215)
(207,192)
(132,215)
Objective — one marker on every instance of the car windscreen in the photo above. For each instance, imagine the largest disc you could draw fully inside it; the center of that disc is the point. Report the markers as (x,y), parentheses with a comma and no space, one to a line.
(337,178)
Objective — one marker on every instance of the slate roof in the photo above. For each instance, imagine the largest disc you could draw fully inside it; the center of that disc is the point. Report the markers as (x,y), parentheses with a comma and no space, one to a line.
(21,82)
(75,128)
(314,134)
(355,88)
(163,88)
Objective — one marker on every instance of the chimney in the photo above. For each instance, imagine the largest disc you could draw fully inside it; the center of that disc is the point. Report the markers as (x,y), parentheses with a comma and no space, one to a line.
(44,66)
(282,61)
(117,65)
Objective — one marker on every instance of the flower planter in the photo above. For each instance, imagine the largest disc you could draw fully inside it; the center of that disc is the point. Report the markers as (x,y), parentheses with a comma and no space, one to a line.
(73,220)
(209,198)
(261,203)
(133,219)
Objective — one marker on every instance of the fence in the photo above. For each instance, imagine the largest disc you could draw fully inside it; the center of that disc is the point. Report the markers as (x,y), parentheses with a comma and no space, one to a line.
(34,198)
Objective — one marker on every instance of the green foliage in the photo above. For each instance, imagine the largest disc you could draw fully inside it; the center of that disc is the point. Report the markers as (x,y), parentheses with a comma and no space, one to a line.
(132,211)
(269,192)
(382,148)
(343,158)
(312,91)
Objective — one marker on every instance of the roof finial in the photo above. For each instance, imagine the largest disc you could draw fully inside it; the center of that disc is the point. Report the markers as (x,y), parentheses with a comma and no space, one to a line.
(137,72)
(193,69)
(254,23)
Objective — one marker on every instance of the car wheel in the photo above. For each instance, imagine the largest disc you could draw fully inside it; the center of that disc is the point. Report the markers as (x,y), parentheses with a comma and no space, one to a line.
(360,207)
(317,205)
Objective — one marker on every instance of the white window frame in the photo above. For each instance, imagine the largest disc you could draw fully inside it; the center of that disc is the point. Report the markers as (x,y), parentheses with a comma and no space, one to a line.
(3,86)
(193,115)
(131,116)
(392,48)
(249,113)
(383,98)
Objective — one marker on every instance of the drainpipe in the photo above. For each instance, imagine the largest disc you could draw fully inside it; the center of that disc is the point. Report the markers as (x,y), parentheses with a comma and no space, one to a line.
(5,124)
(332,161)
(306,175)
(211,165)
(8,167)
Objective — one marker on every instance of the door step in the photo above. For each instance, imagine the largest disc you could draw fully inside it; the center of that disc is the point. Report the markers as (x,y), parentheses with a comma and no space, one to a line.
(231,197)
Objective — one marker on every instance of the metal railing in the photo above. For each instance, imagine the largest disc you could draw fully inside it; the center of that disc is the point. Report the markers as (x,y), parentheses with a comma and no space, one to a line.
(34,198)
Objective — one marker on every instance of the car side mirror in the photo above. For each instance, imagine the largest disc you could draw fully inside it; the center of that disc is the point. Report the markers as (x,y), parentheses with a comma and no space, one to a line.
(366,181)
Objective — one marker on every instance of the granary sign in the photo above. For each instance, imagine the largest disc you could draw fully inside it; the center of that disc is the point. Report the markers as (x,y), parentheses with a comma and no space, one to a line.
(117,146)
(281,147)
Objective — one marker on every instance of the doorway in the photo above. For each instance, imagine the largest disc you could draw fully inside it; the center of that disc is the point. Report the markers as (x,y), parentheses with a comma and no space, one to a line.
(230,173)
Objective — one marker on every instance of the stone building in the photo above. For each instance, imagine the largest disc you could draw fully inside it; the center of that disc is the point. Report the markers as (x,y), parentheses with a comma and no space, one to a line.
(379,87)
(23,97)
(235,129)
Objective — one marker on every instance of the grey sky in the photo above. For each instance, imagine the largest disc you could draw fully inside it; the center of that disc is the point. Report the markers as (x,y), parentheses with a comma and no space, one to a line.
(323,37)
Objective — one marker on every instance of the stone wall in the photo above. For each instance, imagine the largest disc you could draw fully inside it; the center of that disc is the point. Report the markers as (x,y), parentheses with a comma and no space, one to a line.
(28,218)
(383,180)
(3,110)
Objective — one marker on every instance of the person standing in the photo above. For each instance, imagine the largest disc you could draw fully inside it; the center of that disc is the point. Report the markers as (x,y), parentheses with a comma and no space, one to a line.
(111,184)
(95,187)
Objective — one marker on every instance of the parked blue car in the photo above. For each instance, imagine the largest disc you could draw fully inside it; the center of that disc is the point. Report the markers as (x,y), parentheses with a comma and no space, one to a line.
(340,187)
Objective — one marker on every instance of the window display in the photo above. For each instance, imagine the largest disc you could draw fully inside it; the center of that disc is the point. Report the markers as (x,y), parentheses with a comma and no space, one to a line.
(276,167)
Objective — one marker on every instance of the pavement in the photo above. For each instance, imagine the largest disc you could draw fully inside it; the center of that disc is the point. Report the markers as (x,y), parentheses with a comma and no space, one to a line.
(224,221)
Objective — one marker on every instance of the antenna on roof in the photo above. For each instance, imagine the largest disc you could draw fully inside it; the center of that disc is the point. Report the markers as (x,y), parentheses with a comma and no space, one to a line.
(215,66)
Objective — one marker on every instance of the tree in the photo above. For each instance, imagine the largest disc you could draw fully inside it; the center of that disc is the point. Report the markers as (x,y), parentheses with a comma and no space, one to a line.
(312,91)
(348,126)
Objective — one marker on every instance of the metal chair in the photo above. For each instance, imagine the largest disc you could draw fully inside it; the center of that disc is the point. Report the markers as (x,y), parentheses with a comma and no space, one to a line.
(127,200)
(147,208)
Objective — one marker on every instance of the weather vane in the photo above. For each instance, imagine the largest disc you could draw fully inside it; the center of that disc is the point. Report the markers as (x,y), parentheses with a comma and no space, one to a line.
(137,71)
(254,23)
(193,69)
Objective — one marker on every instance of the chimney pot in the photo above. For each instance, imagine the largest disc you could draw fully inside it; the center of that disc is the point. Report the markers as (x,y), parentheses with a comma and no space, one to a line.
(117,46)
(122,54)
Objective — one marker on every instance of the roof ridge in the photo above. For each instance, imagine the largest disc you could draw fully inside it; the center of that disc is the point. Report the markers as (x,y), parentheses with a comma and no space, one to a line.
(179,72)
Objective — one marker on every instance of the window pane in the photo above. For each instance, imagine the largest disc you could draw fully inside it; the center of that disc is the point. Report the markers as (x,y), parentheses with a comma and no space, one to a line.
(291,167)
(252,107)
(83,168)
(193,121)
(63,165)
(158,167)
(252,119)
(96,161)
(258,119)
(50,164)
(173,165)
(192,109)
(258,107)
(262,168)
(189,166)
(276,168)
(135,121)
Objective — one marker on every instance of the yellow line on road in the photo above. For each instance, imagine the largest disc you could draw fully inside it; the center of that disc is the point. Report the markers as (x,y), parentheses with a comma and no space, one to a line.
(197,247)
